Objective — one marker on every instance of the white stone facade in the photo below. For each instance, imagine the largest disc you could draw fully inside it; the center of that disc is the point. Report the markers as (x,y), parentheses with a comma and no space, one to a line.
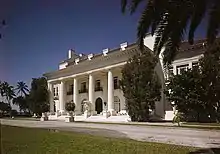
(100,86)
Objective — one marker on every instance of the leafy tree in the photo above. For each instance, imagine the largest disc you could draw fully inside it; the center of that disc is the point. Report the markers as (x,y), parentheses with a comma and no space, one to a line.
(21,102)
(140,85)
(210,74)
(4,107)
(196,92)
(185,90)
(22,88)
(38,98)
(70,106)
(169,20)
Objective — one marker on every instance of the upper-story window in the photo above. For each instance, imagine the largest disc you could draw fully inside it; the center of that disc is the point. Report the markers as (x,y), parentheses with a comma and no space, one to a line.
(54,91)
(70,90)
(83,88)
(169,72)
(195,64)
(182,68)
(116,83)
(98,85)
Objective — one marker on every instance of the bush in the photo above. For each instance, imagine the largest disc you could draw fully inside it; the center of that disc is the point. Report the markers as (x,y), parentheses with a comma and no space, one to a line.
(14,113)
(45,108)
(70,106)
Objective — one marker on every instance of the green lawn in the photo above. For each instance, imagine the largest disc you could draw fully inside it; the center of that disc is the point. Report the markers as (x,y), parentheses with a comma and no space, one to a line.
(16,140)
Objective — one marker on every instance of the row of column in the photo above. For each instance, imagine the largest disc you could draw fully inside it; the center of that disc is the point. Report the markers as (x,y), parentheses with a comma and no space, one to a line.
(62,93)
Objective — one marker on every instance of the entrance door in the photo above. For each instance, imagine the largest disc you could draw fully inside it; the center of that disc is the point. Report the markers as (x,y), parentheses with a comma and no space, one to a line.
(98,105)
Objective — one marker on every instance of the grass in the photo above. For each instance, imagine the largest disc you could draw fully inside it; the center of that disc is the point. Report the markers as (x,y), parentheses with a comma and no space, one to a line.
(17,140)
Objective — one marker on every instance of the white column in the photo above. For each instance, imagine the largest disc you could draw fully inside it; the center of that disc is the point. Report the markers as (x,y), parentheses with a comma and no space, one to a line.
(75,94)
(190,65)
(110,92)
(174,70)
(51,97)
(91,93)
(62,96)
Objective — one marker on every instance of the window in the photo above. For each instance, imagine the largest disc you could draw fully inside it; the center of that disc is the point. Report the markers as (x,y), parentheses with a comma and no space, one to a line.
(83,88)
(117,107)
(98,85)
(54,91)
(57,91)
(195,64)
(182,68)
(116,85)
(70,90)
(169,72)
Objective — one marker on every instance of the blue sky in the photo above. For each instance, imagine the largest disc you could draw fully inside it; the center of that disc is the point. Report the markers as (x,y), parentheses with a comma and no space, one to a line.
(39,33)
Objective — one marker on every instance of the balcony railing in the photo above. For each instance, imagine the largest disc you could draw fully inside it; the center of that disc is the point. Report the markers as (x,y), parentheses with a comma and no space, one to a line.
(98,89)
(116,86)
(69,93)
(56,97)
(83,91)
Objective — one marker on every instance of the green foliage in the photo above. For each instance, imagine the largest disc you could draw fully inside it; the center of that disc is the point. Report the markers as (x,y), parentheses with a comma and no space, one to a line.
(4,107)
(178,118)
(169,21)
(196,92)
(38,99)
(21,102)
(140,85)
(70,106)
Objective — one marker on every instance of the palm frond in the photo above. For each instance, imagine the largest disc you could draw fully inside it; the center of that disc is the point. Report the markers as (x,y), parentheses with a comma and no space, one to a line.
(199,7)
(160,8)
(214,22)
(134,5)
(123,5)
(144,23)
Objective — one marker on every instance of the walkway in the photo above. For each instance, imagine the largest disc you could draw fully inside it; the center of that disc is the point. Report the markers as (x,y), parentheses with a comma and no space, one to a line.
(170,135)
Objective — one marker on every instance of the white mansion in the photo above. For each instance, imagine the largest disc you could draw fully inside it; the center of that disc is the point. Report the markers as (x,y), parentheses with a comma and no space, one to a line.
(94,78)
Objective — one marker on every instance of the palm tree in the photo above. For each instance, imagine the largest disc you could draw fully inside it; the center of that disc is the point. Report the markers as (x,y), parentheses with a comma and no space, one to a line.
(169,20)
(22,88)
(8,92)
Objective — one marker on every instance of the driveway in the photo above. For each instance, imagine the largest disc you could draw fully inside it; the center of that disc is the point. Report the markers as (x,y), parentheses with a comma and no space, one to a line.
(179,136)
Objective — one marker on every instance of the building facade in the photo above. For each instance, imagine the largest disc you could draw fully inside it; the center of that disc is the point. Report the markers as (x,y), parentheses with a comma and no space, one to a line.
(94,79)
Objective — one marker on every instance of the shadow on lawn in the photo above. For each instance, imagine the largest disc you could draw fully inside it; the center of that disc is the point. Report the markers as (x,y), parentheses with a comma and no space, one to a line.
(207,151)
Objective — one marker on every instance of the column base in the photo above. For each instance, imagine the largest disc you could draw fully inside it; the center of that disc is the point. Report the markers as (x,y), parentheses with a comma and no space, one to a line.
(106,114)
(93,113)
(112,112)
(87,114)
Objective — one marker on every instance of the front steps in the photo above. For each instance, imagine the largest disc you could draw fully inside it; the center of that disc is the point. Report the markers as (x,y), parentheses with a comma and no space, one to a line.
(97,118)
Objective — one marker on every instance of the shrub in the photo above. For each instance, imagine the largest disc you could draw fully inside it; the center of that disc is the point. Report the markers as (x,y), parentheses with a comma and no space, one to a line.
(70,106)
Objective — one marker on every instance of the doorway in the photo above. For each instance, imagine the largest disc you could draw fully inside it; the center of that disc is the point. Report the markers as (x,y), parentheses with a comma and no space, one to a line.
(98,105)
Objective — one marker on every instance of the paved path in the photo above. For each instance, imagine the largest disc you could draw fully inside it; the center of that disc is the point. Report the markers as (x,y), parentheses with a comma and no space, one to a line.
(178,136)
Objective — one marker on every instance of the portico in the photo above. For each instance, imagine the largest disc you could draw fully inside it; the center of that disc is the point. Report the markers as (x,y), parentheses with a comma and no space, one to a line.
(100,84)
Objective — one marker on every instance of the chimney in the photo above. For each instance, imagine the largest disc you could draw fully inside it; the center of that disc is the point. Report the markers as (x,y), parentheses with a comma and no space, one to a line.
(90,56)
(123,46)
(76,61)
(105,51)
(70,53)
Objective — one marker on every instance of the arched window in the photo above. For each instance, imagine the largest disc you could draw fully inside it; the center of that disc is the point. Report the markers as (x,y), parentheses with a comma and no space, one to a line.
(117,106)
